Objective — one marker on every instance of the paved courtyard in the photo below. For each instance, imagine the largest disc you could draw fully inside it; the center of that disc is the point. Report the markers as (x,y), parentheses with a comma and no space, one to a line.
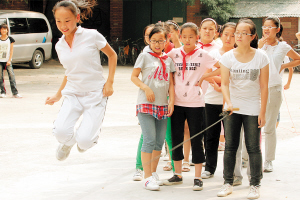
(29,169)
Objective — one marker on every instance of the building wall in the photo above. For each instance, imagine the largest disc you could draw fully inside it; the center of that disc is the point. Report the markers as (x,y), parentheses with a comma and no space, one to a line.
(116,19)
(192,11)
(289,33)
(14,5)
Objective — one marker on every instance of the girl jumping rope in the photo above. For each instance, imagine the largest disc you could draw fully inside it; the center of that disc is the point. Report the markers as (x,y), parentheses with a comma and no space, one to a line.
(244,83)
(84,88)
(153,107)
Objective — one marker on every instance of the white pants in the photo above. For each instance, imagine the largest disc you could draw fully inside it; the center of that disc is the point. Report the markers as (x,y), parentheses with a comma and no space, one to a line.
(273,106)
(91,105)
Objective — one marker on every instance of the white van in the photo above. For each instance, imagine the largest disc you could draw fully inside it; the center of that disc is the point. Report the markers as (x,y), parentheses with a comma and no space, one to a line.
(32,34)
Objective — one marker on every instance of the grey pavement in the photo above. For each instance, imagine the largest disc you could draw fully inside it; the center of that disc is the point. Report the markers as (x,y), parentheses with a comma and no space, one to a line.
(29,169)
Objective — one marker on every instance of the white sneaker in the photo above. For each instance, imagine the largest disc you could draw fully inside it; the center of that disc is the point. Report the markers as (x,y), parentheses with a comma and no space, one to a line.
(206,174)
(225,190)
(17,96)
(63,152)
(2,95)
(156,177)
(237,181)
(254,192)
(138,175)
(80,150)
(268,166)
(151,184)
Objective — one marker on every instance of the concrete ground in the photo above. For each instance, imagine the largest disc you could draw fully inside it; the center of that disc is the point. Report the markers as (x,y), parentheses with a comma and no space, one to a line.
(29,169)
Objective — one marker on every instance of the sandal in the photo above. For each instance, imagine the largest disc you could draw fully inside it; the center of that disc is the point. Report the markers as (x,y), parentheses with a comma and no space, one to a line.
(186,166)
(168,166)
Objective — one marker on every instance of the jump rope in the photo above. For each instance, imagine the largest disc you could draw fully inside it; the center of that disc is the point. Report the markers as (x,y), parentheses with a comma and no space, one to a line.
(224,114)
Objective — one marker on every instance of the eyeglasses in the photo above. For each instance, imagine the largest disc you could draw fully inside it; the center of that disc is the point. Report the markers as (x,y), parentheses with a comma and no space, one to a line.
(268,27)
(159,41)
(241,34)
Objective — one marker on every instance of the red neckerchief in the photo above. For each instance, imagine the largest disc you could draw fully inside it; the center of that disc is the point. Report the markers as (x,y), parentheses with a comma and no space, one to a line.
(161,58)
(184,61)
(205,45)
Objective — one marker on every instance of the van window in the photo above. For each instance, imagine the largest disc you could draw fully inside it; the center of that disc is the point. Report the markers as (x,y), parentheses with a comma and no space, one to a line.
(3,21)
(18,25)
(37,25)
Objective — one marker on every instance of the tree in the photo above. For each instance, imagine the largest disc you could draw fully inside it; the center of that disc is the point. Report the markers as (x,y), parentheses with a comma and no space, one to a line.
(221,10)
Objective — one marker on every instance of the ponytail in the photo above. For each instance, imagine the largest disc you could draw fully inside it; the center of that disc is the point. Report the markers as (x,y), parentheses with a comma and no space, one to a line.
(82,7)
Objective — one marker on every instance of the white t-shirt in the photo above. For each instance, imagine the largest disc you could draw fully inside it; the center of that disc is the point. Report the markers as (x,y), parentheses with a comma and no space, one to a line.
(82,62)
(5,49)
(152,75)
(285,61)
(276,55)
(212,96)
(244,83)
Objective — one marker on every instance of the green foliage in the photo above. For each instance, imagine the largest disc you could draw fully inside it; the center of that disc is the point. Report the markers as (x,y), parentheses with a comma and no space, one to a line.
(221,10)
(11,2)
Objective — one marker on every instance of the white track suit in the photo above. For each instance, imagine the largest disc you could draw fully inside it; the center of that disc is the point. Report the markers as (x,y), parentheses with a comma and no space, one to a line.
(89,104)
(83,91)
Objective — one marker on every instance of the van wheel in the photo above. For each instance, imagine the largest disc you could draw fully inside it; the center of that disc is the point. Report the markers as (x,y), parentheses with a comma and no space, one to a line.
(37,60)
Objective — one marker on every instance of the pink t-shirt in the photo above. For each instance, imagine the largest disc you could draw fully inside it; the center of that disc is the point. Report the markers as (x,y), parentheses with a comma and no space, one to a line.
(186,93)
(214,45)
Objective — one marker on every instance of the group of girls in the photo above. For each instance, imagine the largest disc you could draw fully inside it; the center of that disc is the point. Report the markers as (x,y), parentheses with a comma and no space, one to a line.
(179,85)
(190,76)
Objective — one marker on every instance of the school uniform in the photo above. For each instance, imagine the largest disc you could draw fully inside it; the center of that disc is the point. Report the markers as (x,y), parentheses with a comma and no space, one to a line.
(245,94)
(83,91)
(276,55)
(189,103)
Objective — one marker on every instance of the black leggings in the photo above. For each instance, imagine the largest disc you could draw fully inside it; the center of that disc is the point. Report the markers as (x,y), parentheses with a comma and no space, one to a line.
(193,115)
(213,135)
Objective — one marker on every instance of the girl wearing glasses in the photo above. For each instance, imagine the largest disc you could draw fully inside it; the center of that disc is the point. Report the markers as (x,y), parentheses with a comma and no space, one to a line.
(190,63)
(244,83)
(276,51)
(153,107)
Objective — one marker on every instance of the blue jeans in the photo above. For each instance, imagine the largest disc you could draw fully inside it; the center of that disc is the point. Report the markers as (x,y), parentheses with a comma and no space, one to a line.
(233,124)
(11,76)
(154,132)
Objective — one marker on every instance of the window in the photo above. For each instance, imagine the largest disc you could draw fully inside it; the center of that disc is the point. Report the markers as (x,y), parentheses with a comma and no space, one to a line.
(18,25)
(3,21)
(37,25)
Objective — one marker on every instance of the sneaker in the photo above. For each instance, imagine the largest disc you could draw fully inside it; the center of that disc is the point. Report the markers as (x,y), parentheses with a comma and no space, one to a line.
(156,177)
(176,179)
(268,166)
(151,184)
(244,163)
(254,192)
(237,181)
(80,150)
(225,190)
(63,152)
(206,174)
(138,175)
(198,185)
(2,95)
(17,96)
